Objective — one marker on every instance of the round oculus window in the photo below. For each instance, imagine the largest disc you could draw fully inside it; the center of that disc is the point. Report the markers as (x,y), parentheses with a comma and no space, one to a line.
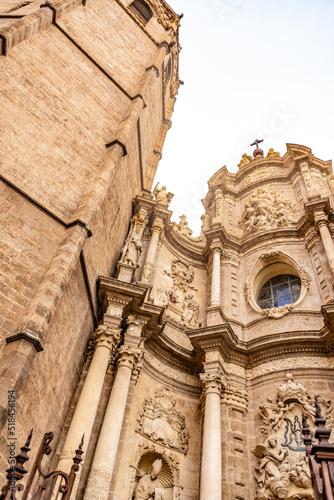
(279,291)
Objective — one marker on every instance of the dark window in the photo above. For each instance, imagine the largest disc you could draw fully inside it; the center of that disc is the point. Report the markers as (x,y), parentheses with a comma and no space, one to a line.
(142,10)
(279,291)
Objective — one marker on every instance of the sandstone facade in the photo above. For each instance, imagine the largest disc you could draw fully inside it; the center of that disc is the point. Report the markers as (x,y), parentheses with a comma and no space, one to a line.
(187,362)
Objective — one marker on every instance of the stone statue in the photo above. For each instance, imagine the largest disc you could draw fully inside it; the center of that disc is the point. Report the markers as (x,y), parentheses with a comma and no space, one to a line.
(245,160)
(182,226)
(149,483)
(272,153)
(161,195)
(190,313)
(131,251)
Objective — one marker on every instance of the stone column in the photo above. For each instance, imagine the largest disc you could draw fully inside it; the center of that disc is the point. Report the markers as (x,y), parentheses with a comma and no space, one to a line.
(215,278)
(128,365)
(105,341)
(157,229)
(321,221)
(211,465)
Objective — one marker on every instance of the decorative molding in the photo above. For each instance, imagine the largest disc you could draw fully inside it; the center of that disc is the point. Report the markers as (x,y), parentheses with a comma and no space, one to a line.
(260,173)
(98,484)
(235,396)
(160,421)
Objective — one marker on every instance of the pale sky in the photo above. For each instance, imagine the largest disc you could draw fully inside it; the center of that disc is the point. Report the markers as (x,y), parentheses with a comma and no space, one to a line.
(253,69)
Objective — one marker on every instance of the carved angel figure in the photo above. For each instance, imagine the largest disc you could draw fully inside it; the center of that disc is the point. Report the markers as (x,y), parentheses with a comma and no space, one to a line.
(149,483)
(161,195)
(272,474)
(131,251)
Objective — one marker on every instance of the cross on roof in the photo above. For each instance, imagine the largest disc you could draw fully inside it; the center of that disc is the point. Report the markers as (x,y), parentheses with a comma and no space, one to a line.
(256,142)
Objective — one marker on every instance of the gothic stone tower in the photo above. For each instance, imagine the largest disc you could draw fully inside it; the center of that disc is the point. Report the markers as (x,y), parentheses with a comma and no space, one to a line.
(215,344)
(87,93)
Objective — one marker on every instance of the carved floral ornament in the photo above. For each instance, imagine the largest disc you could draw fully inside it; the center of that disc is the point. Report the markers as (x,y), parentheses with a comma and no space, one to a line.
(267,208)
(279,261)
(282,471)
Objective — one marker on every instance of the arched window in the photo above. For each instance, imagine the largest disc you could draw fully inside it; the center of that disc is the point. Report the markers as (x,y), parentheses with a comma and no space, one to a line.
(142,10)
(279,291)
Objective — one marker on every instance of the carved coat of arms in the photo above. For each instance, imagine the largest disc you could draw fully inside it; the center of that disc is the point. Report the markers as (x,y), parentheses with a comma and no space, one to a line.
(282,471)
(161,422)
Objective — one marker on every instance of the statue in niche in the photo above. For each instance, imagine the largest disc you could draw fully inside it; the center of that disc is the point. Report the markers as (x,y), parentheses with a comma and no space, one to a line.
(149,485)
(190,312)
(131,251)
(161,196)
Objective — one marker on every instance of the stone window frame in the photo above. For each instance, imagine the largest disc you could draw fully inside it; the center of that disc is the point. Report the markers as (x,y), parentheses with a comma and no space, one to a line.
(139,7)
(267,266)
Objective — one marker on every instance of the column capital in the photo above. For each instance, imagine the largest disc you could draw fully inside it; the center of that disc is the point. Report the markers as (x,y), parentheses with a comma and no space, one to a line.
(129,356)
(216,246)
(104,336)
(236,397)
(320,219)
(213,382)
(158,227)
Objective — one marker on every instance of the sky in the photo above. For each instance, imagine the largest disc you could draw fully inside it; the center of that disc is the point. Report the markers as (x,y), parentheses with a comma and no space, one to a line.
(252,69)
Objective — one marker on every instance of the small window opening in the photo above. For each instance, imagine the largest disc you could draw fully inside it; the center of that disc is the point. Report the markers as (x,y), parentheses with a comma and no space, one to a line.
(142,10)
(279,291)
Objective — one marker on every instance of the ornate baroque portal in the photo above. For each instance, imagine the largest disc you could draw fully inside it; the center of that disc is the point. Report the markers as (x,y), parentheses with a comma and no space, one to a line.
(216,344)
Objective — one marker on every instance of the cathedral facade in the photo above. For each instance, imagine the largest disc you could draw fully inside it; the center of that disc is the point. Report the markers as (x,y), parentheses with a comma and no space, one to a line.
(186,362)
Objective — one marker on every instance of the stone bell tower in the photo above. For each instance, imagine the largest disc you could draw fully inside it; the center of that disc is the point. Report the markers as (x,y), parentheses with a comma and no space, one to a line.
(87,94)
(210,348)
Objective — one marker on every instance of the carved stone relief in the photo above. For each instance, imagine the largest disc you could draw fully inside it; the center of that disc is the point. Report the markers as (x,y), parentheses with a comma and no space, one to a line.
(180,306)
(160,421)
(169,372)
(286,363)
(182,275)
(282,471)
(267,209)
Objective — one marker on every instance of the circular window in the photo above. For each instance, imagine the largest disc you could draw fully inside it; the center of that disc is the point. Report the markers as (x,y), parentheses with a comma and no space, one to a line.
(279,291)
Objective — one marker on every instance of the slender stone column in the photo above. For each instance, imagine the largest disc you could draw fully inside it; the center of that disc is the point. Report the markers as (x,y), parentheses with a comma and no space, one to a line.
(152,250)
(106,450)
(215,278)
(105,341)
(321,221)
(211,466)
